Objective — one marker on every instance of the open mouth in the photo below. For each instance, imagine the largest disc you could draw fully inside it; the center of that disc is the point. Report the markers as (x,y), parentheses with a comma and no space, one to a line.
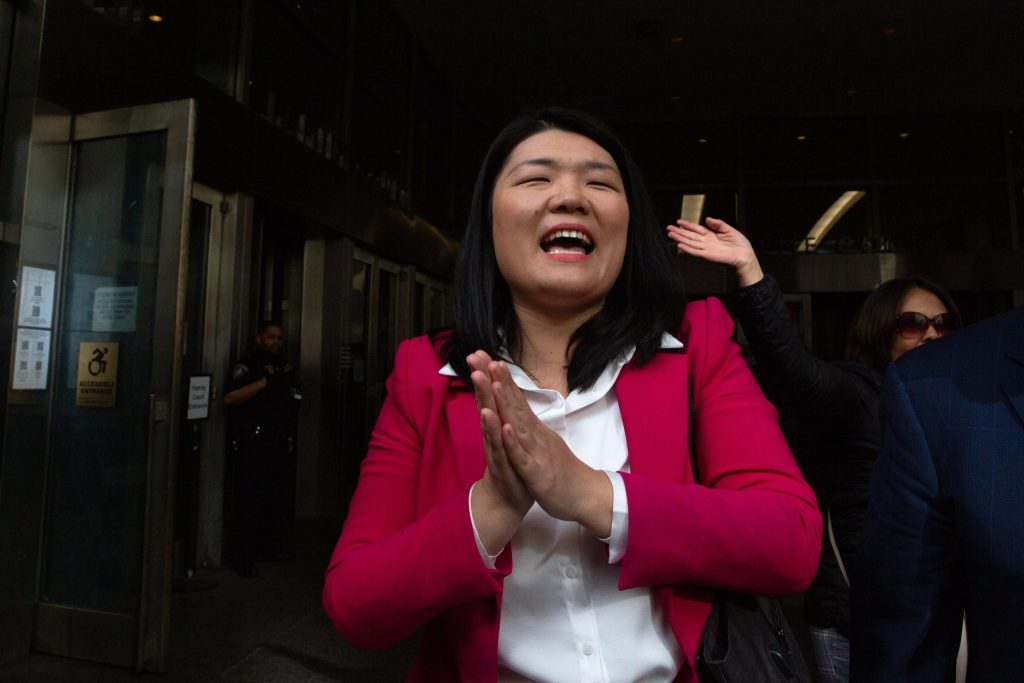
(567,242)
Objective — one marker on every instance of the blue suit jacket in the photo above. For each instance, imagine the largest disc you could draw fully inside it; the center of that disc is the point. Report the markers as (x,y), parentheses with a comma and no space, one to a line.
(944,531)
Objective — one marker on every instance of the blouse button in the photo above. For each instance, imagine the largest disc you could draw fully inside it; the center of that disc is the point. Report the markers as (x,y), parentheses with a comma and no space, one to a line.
(571,572)
(588,649)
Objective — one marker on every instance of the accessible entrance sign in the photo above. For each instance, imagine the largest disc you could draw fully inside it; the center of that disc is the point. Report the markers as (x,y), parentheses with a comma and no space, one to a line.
(97,375)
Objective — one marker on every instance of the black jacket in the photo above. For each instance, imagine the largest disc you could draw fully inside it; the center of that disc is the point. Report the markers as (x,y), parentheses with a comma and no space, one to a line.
(273,408)
(838,402)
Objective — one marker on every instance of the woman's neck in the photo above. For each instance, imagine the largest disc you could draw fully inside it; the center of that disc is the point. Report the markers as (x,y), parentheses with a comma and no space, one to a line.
(544,349)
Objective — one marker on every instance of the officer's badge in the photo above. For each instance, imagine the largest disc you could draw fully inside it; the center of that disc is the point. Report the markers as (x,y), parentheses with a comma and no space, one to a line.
(269,369)
(239,371)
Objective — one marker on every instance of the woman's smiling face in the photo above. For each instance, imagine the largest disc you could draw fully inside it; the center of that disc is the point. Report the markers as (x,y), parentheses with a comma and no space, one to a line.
(559,220)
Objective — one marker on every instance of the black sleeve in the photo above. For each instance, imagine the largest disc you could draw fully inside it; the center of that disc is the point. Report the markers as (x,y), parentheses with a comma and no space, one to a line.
(245,371)
(790,374)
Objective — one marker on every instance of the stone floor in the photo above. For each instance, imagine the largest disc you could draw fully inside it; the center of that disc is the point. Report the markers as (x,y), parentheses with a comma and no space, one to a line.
(270,628)
(267,628)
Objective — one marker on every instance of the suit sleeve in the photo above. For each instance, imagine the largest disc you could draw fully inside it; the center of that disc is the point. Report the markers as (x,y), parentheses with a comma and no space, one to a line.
(395,568)
(906,602)
(754,524)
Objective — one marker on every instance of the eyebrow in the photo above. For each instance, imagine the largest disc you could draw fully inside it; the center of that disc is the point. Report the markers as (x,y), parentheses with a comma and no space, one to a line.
(591,164)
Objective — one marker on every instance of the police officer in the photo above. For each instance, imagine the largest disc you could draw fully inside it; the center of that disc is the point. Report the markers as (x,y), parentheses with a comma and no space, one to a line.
(263,394)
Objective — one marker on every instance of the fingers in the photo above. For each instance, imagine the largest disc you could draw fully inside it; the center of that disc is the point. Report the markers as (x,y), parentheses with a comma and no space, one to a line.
(512,405)
(718,225)
(490,421)
(492,379)
(685,227)
(688,235)
(478,360)
(516,415)
(689,238)
(518,457)
(480,377)
(713,224)
(690,226)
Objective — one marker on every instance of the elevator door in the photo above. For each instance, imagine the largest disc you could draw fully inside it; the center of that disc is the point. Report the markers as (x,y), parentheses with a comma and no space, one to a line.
(105,574)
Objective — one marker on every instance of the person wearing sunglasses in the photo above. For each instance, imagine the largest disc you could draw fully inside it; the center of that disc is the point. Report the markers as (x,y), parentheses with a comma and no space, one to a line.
(838,401)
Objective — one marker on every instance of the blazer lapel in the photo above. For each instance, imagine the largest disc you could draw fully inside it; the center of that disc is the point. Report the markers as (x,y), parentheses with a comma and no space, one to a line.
(467,439)
(654,406)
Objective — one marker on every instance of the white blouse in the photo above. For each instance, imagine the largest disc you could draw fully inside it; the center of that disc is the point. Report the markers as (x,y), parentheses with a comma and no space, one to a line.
(563,617)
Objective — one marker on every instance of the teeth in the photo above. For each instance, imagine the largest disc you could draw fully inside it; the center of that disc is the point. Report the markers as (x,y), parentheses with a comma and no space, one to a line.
(571,234)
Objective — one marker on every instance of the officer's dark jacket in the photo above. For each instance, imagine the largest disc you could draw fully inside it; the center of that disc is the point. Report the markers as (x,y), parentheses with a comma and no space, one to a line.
(273,407)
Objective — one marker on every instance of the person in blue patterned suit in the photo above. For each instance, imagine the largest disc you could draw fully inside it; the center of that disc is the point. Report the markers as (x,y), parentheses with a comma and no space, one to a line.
(944,531)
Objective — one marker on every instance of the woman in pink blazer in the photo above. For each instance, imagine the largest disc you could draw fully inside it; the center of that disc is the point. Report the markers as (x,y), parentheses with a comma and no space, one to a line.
(527,500)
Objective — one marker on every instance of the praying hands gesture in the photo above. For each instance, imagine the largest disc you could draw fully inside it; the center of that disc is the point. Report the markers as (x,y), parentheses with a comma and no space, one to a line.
(527,462)
(719,242)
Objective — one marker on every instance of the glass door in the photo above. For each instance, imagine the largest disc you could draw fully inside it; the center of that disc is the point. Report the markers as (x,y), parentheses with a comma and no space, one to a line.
(106,563)
(368,353)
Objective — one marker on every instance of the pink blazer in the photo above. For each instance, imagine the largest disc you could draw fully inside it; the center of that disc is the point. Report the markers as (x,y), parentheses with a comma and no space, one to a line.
(407,557)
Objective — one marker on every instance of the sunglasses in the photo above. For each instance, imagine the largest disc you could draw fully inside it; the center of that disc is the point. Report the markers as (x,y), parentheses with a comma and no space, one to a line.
(912,325)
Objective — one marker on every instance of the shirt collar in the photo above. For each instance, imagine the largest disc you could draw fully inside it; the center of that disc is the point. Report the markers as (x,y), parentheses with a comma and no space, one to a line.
(668,341)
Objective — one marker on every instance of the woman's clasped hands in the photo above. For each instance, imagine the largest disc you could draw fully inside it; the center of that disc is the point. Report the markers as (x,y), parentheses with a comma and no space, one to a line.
(527,462)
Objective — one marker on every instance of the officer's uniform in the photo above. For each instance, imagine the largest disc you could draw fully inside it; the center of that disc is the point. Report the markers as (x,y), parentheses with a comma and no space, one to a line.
(262,431)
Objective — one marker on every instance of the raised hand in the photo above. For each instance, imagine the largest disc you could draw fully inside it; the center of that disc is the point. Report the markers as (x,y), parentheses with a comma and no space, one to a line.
(718,242)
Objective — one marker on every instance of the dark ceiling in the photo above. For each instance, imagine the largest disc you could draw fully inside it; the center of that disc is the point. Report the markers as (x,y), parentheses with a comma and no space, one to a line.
(665,60)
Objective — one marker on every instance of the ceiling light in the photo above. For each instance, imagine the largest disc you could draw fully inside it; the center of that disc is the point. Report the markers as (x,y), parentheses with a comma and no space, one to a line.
(851,91)
(829,219)
(155,18)
(675,98)
(702,140)
(801,137)
(693,207)
(677,39)
(889,30)
(904,136)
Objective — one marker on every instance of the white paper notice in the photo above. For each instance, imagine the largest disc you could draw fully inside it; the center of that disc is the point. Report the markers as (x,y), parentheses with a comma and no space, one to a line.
(114,308)
(31,359)
(198,397)
(36,301)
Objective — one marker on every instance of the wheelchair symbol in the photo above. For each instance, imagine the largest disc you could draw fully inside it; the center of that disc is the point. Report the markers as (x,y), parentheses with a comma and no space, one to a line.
(98,364)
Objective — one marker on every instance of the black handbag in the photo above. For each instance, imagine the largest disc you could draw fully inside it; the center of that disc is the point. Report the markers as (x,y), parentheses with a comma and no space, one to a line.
(746,638)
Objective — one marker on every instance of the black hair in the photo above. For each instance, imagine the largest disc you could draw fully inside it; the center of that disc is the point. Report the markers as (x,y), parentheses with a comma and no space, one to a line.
(647,299)
(873,330)
(268,323)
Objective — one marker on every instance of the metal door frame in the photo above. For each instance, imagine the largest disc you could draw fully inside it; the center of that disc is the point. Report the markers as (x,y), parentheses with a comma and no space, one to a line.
(227,276)
(147,632)
(377,264)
